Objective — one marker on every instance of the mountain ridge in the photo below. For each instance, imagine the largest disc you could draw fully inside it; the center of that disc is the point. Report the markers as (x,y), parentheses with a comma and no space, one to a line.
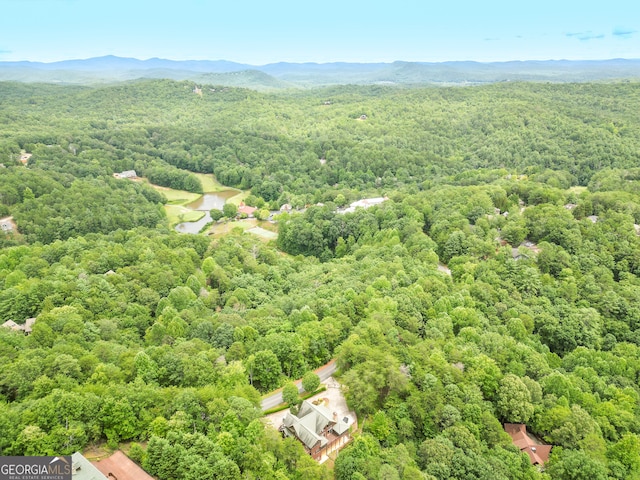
(111,68)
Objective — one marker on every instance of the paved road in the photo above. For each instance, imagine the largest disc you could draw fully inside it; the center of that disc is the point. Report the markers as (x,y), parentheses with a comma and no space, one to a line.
(275,398)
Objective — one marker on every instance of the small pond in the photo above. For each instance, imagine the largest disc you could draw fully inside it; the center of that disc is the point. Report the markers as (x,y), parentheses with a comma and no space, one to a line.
(193,227)
(207,202)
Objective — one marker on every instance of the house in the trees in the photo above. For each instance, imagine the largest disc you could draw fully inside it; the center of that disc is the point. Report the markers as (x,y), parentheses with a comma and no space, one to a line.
(320,431)
(126,174)
(121,467)
(538,454)
(6,225)
(364,203)
(26,327)
(82,469)
(246,209)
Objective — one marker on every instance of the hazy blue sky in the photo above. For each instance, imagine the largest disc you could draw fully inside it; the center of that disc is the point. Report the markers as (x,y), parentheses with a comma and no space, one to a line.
(260,32)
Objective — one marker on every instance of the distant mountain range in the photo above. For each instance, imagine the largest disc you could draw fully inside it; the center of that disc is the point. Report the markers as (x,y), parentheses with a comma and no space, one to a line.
(306,75)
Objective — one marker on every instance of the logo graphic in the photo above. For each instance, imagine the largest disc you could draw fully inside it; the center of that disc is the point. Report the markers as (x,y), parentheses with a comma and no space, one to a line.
(35,468)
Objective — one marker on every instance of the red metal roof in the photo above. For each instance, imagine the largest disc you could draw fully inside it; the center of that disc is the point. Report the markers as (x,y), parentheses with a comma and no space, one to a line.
(538,454)
(121,467)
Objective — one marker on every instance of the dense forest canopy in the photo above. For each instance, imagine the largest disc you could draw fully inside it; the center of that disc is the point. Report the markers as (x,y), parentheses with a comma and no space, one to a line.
(529,193)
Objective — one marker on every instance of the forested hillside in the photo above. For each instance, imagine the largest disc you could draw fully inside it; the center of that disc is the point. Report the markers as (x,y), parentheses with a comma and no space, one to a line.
(529,193)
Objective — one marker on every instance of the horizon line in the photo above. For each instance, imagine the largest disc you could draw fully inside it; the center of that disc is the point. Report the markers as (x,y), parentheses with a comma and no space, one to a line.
(320,63)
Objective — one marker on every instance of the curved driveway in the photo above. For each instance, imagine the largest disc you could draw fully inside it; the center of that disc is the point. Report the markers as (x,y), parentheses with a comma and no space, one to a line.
(275,398)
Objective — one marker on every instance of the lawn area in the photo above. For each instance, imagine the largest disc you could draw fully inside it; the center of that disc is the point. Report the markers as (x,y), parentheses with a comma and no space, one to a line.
(262,233)
(174,197)
(249,225)
(225,227)
(210,184)
(239,197)
(177,197)
(178,214)
(578,189)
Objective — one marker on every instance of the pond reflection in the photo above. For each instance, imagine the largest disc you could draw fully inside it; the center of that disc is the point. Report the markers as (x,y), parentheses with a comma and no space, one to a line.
(193,227)
(207,202)
(210,201)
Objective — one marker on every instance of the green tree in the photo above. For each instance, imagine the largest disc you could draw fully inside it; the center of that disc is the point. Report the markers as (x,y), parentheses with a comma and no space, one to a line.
(575,465)
(514,400)
(225,469)
(290,393)
(27,194)
(514,232)
(230,210)
(264,370)
(627,452)
(262,214)
(310,382)
(145,367)
(216,214)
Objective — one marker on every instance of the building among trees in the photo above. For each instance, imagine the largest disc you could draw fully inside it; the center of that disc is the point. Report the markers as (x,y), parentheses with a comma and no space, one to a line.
(126,174)
(26,327)
(320,431)
(121,467)
(83,469)
(538,454)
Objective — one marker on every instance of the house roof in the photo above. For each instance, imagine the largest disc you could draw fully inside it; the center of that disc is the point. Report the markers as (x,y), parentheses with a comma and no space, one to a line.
(320,413)
(303,430)
(363,203)
(27,327)
(368,202)
(121,467)
(246,209)
(126,174)
(11,324)
(28,324)
(83,469)
(538,454)
(309,423)
(341,426)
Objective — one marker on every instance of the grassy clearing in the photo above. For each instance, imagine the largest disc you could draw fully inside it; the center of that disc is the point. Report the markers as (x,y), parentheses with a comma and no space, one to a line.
(249,225)
(174,197)
(262,233)
(225,227)
(578,189)
(210,184)
(178,214)
(239,197)
(272,227)
(177,197)
(97,451)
